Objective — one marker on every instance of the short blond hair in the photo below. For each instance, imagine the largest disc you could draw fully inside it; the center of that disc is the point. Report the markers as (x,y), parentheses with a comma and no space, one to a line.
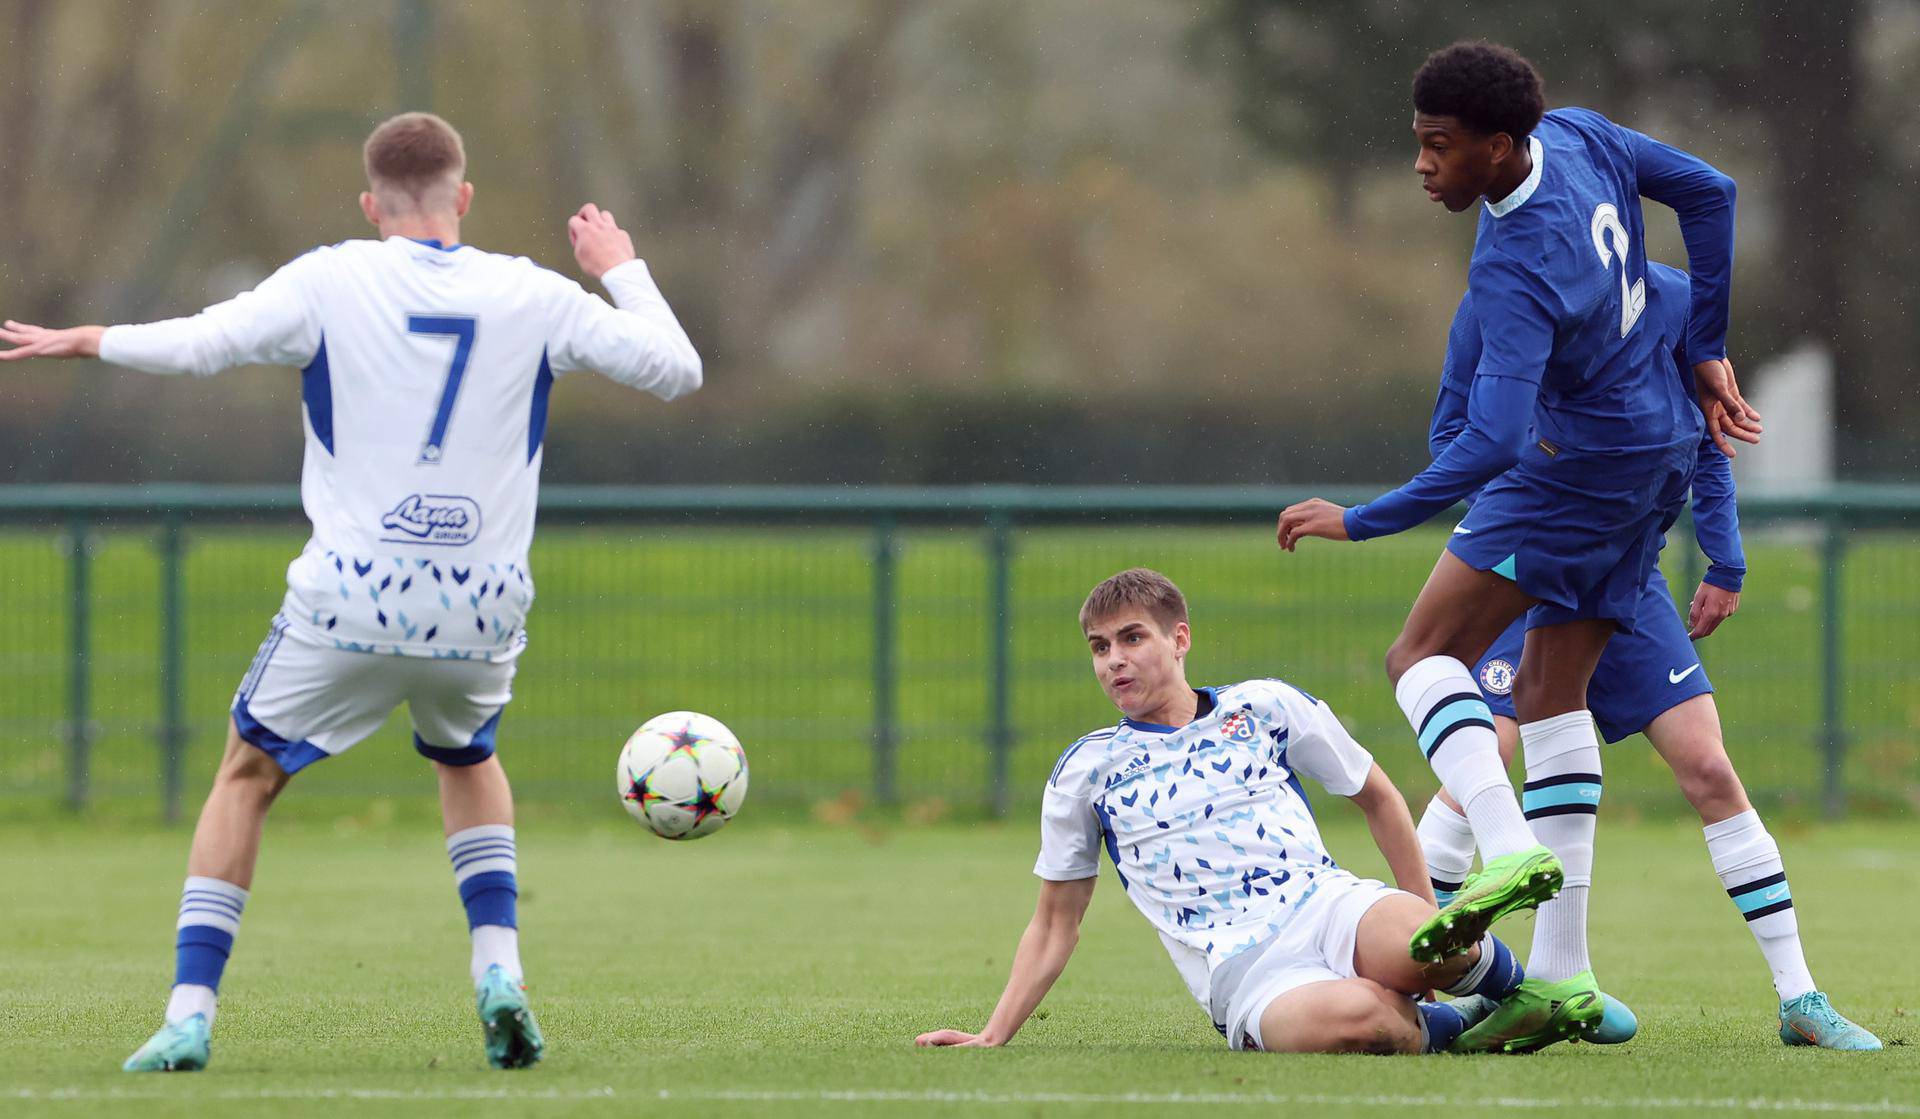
(415,161)
(1140,588)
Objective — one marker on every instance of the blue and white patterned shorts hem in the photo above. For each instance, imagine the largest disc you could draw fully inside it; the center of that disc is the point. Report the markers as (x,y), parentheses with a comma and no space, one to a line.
(304,700)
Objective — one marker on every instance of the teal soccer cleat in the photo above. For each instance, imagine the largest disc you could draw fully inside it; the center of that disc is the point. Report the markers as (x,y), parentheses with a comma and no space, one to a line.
(513,1037)
(181,1046)
(1812,1020)
(1617,1023)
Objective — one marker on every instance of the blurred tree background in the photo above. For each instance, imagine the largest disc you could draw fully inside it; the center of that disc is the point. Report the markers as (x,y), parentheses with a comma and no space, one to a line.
(927,240)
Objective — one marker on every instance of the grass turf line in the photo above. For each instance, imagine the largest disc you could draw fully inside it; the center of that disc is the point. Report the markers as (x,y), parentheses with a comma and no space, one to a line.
(786,968)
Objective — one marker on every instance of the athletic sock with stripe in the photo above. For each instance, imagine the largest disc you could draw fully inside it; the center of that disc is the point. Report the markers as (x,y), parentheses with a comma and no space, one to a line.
(1450,718)
(1562,802)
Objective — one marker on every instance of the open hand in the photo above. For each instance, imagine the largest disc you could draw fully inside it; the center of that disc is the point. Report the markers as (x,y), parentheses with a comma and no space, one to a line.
(956,1038)
(1711,605)
(1313,517)
(598,243)
(37,341)
(1729,417)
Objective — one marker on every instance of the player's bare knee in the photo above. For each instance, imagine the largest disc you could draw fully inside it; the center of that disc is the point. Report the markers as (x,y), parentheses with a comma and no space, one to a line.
(1712,786)
(250,771)
(1402,655)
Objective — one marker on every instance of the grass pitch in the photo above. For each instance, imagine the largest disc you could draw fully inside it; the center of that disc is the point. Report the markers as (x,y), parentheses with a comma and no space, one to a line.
(784,966)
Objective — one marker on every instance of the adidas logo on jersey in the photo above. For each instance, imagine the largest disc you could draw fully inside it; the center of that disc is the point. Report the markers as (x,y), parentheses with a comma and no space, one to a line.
(433,518)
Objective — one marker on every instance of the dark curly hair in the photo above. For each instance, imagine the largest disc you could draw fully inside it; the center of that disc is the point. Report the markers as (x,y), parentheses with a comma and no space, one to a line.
(1485,86)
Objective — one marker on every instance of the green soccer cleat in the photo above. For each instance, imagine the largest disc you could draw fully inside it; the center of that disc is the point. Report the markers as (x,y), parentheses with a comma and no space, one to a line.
(1504,885)
(513,1037)
(182,1046)
(1536,1016)
(1812,1020)
(1617,1024)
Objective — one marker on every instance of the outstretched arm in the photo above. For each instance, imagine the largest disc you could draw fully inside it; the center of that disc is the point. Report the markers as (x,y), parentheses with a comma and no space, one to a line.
(1393,832)
(1043,953)
(1500,411)
(270,325)
(38,341)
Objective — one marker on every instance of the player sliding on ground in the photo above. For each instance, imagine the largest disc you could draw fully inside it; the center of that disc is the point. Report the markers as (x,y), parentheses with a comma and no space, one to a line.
(1651,681)
(1585,442)
(1196,796)
(426,366)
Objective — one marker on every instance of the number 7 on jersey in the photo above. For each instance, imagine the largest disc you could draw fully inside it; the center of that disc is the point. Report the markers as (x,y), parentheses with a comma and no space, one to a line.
(461,330)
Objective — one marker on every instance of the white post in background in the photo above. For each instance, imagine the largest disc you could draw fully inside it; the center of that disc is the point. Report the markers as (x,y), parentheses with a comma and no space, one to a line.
(1794,395)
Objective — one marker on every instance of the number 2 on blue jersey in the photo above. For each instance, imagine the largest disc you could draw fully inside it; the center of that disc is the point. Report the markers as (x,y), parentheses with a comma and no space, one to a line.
(461,331)
(1633,294)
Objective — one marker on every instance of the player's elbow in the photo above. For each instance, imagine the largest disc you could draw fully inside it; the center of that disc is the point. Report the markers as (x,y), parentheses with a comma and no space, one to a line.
(684,374)
(1723,183)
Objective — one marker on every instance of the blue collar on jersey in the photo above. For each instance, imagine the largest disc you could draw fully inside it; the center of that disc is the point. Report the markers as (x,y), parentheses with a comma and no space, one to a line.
(1204,707)
(1525,190)
(434,243)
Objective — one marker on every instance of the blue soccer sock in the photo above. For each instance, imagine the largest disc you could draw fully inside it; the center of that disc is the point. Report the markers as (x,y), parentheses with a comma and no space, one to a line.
(485,868)
(209,917)
(1440,1024)
(1496,974)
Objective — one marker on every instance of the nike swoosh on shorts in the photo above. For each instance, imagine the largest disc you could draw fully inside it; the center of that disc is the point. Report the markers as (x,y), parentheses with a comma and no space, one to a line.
(1675,677)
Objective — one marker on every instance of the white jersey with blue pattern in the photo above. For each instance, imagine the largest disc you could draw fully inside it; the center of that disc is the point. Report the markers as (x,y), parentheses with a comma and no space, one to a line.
(1206,824)
(425,371)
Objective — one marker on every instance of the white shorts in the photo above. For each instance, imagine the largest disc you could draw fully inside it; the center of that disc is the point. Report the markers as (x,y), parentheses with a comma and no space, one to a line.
(304,700)
(1316,946)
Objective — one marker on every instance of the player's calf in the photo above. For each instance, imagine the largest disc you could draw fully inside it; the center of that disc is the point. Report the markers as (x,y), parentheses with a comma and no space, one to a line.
(1340,1016)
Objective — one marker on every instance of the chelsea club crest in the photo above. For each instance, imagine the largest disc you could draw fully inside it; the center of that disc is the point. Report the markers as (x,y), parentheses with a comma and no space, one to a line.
(1496,677)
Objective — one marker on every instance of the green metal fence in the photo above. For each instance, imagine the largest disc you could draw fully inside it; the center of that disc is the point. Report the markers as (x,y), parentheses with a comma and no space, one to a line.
(910,646)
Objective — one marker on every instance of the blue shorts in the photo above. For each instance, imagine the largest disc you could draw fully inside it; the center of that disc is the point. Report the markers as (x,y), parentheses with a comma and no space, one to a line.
(1642,674)
(1582,550)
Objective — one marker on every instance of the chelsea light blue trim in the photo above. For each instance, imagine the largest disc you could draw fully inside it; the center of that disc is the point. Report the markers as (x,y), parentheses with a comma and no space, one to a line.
(1758,899)
(1561,796)
(1525,190)
(1444,720)
(1505,568)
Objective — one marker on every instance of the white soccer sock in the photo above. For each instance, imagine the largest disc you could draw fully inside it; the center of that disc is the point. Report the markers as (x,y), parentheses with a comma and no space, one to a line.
(189,999)
(1455,729)
(1562,802)
(1447,840)
(1748,862)
(496,944)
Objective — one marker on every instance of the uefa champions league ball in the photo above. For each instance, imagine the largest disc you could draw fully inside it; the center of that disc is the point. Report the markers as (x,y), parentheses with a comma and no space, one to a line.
(683,775)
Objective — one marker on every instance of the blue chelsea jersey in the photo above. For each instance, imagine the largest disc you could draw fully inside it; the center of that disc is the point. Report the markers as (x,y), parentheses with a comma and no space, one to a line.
(1559,282)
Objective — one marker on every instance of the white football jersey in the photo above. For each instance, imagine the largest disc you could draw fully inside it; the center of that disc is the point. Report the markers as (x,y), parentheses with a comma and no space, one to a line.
(1206,824)
(425,374)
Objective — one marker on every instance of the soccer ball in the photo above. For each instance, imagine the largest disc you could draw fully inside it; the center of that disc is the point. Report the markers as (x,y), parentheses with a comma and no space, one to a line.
(682,774)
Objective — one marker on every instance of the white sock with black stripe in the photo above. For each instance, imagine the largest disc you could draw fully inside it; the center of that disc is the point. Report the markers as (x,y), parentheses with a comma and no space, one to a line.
(1455,729)
(1562,803)
(1446,838)
(1748,862)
